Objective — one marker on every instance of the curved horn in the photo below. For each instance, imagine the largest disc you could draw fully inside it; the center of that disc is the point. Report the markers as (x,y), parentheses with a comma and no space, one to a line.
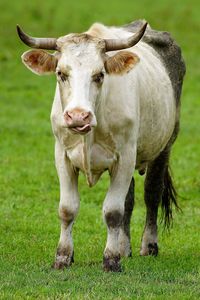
(118,44)
(40,43)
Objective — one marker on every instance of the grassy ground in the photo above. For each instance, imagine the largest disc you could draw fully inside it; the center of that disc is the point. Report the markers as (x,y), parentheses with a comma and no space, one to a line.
(28,183)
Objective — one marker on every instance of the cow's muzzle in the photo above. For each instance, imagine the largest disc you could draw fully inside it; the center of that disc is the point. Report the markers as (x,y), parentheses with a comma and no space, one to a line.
(79,121)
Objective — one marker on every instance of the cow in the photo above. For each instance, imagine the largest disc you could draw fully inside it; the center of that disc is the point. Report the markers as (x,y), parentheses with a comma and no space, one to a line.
(117,109)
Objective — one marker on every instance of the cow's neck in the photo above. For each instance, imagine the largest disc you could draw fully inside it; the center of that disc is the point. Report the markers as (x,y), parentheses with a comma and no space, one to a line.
(98,154)
(92,153)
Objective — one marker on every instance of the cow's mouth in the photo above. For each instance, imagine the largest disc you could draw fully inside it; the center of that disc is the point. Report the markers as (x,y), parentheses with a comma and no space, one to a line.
(81,129)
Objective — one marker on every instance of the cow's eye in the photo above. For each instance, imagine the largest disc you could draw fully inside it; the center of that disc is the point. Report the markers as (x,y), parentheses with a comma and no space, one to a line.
(62,76)
(98,78)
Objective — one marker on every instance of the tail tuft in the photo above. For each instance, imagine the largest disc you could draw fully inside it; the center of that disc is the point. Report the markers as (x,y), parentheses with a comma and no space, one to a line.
(169,198)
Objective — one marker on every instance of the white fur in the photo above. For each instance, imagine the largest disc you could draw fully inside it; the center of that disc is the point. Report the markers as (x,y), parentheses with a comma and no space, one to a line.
(133,119)
(135,113)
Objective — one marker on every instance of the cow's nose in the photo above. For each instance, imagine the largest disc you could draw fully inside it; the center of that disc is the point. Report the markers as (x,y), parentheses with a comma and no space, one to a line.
(77,117)
(83,115)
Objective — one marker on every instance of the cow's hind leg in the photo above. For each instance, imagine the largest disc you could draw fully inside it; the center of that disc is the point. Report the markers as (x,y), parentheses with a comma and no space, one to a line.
(158,188)
(124,234)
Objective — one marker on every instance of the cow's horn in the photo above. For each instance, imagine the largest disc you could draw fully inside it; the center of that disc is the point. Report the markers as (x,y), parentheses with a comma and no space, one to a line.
(40,43)
(118,44)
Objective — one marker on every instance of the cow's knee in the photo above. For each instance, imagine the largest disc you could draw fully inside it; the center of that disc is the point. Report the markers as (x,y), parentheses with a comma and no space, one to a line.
(113,218)
(67,214)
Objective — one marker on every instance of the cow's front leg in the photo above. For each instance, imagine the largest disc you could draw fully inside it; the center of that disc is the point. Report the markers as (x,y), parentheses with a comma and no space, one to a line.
(113,210)
(68,207)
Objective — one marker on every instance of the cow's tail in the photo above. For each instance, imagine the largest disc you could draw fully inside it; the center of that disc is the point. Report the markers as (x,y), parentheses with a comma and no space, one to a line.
(169,198)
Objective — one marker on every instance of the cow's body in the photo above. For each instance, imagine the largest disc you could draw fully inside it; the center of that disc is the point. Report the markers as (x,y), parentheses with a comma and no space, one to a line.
(132,108)
(136,121)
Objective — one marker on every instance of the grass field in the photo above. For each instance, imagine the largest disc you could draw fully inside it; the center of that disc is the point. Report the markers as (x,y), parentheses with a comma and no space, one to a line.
(29,191)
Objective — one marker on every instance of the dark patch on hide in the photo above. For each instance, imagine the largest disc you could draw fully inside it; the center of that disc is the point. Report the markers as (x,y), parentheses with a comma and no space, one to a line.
(169,52)
(113,219)
(66,215)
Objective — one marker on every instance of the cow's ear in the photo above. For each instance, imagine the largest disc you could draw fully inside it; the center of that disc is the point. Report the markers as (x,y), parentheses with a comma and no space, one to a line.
(40,61)
(120,63)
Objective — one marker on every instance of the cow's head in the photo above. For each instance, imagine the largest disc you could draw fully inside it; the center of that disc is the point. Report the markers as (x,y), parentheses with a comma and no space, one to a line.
(80,64)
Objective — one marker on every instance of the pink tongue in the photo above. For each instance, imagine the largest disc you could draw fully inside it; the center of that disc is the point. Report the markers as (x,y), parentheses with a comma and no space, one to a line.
(84,128)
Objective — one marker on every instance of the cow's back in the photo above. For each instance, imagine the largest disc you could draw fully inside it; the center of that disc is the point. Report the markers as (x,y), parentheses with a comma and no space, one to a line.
(169,52)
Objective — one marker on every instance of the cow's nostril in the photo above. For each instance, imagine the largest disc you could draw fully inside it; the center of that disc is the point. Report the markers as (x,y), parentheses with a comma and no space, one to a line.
(69,115)
(85,115)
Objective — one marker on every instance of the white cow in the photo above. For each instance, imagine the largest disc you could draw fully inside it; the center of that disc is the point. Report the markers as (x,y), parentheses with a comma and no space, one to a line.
(115,110)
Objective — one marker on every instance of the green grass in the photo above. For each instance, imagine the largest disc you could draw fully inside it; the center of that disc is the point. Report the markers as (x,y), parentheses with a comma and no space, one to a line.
(29,189)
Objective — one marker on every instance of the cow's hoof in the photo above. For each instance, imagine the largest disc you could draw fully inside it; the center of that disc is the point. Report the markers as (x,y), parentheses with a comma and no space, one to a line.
(63,261)
(130,254)
(112,264)
(151,249)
